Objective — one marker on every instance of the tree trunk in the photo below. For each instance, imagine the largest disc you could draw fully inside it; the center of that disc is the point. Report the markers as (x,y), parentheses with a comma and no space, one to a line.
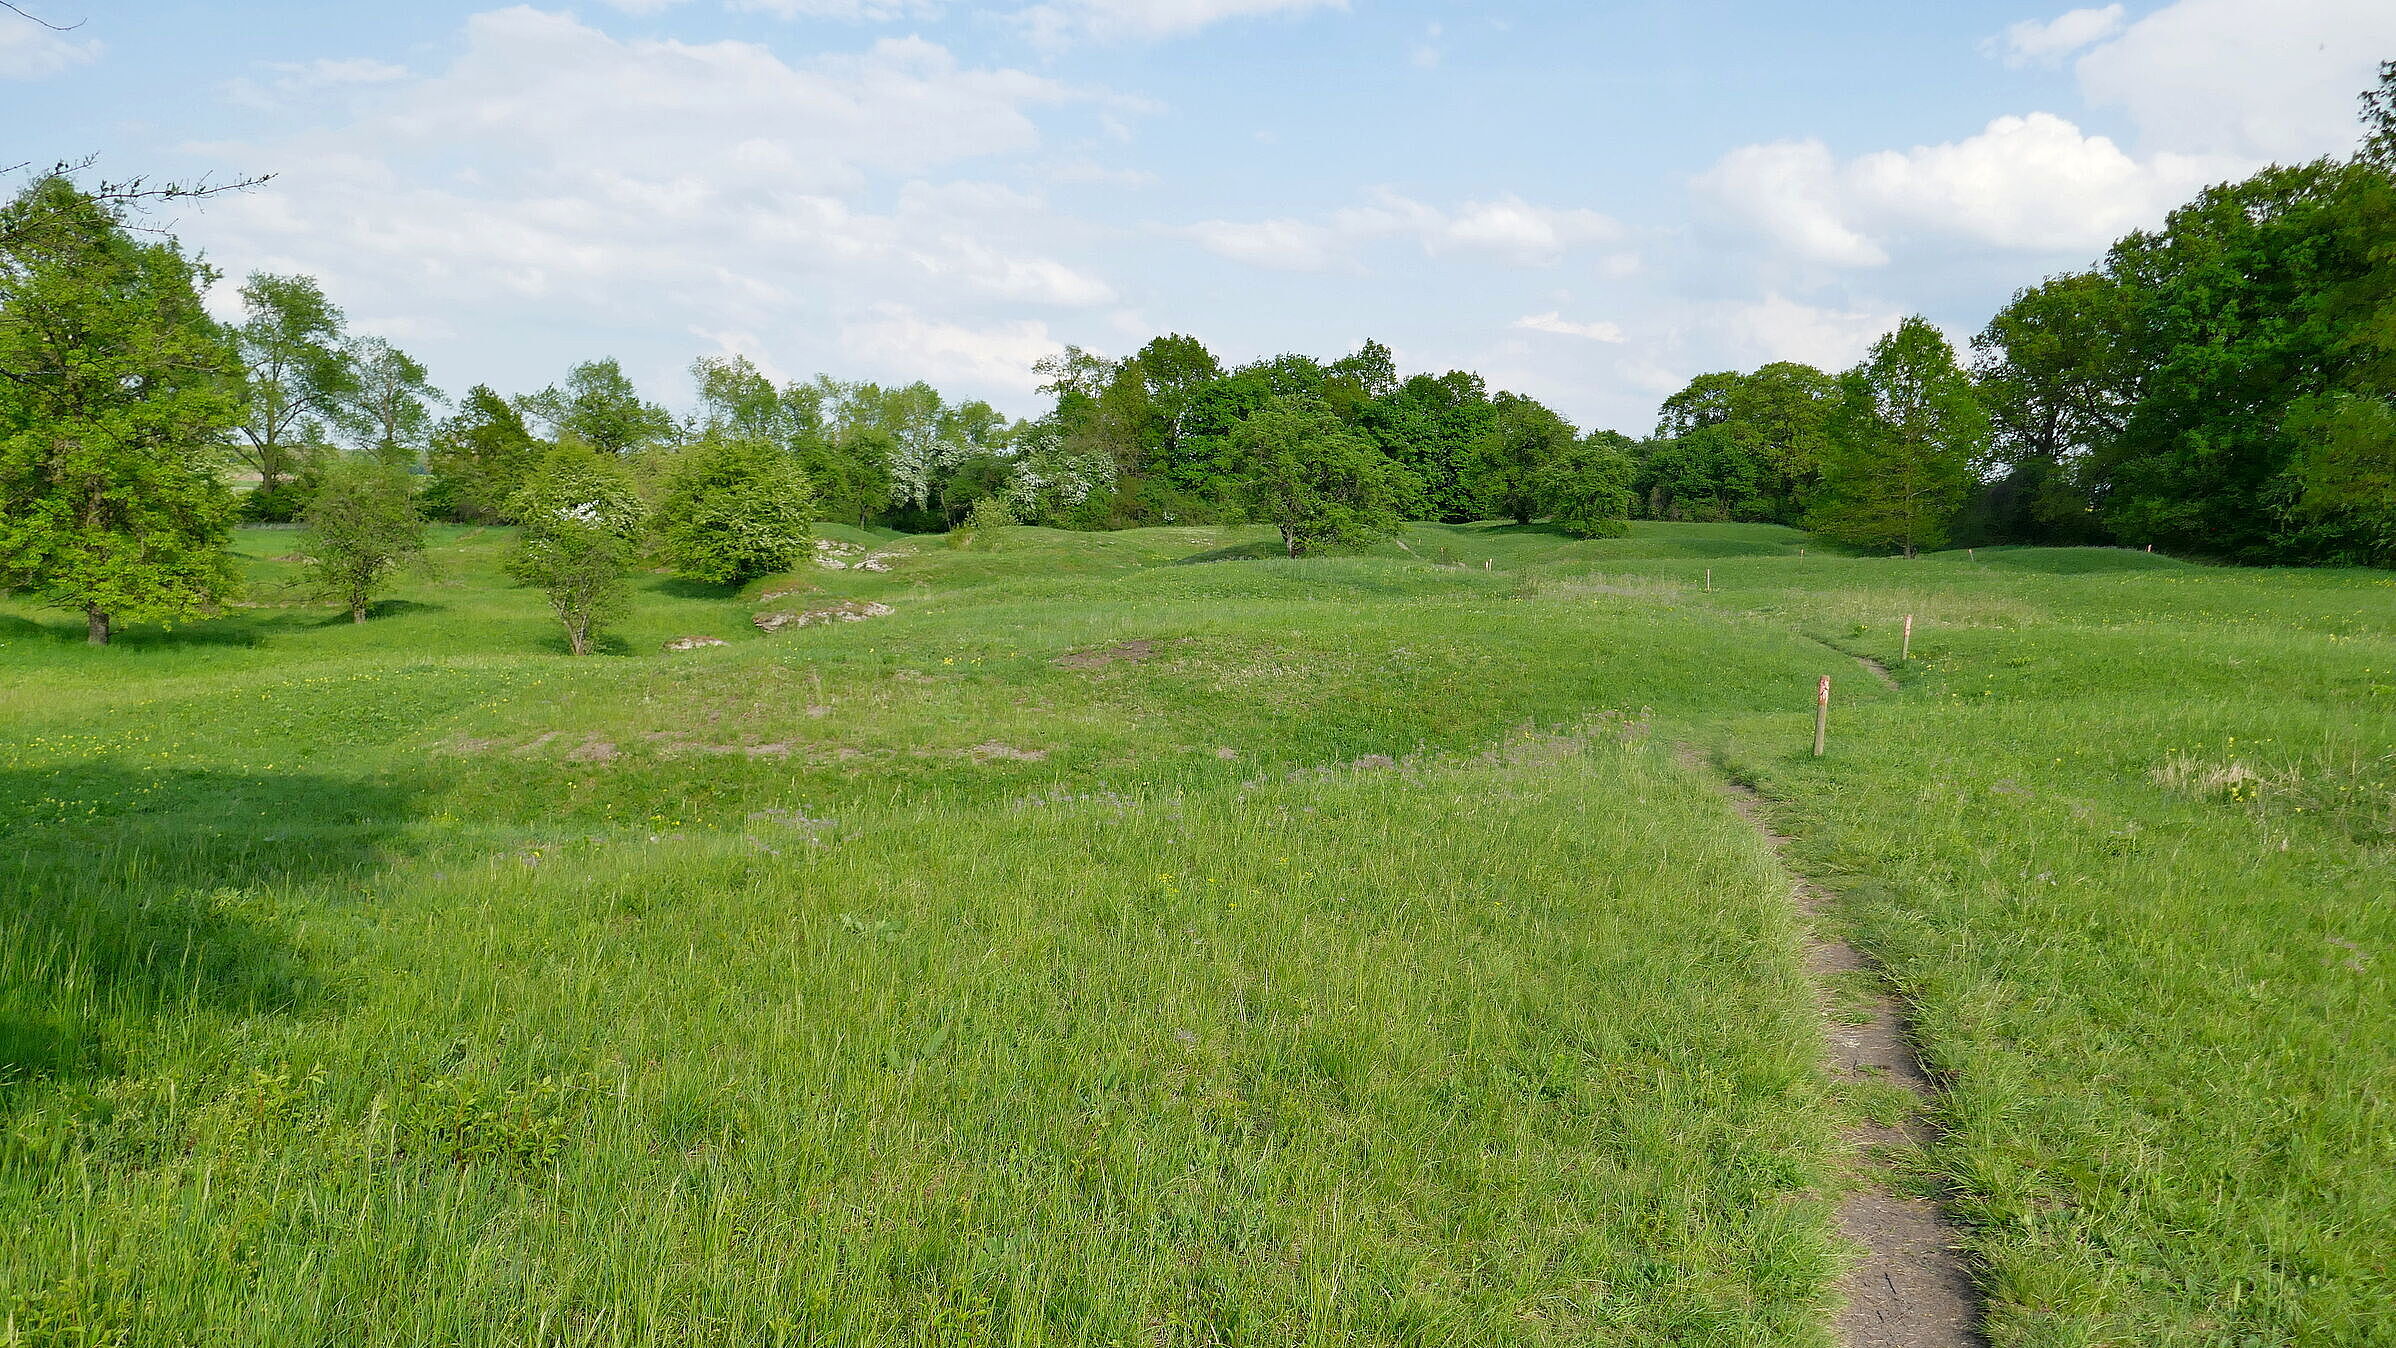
(578,638)
(1909,553)
(1289,540)
(95,627)
(357,610)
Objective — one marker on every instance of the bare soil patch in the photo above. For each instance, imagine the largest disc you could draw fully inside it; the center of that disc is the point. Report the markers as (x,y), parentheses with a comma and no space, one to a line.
(1129,652)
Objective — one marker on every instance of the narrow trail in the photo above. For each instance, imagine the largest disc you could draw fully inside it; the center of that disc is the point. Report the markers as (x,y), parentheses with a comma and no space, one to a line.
(1870,666)
(1910,1289)
(1877,670)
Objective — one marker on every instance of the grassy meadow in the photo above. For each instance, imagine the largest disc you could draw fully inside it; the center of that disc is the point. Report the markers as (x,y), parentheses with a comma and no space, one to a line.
(1136,939)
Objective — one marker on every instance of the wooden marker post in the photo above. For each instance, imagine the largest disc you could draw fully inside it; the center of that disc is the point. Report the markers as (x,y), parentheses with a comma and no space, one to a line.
(1709,580)
(1905,650)
(1822,717)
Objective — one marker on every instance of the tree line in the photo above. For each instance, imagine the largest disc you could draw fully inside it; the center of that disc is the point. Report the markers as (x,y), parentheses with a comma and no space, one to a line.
(136,432)
(2224,385)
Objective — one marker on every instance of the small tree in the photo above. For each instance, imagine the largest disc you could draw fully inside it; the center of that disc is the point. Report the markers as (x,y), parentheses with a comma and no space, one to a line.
(1903,442)
(735,509)
(579,513)
(1306,474)
(1587,492)
(115,395)
(360,528)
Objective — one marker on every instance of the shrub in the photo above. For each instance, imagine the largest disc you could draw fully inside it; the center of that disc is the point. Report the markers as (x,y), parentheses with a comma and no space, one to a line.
(734,510)
(359,529)
(579,514)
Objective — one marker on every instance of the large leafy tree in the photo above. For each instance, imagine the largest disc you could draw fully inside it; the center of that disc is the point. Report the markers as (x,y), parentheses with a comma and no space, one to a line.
(2345,464)
(2236,316)
(1903,443)
(1734,446)
(1432,426)
(1524,440)
(2055,370)
(598,405)
(1316,481)
(735,509)
(391,401)
(479,458)
(115,393)
(1586,491)
(297,377)
(359,528)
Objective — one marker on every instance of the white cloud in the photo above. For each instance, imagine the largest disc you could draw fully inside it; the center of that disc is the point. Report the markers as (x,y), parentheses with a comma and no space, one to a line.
(296,79)
(2031,184)
(2031,42)
(999,355)
(1059,21)
(1288,245)
(2237,78)
(1790,192)
(1505,228)
(555,175)
(870,10)
(1560,326)
(29,51)
(1779,328)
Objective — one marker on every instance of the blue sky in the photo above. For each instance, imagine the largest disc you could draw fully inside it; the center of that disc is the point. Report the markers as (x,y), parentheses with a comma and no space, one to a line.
(1588,202)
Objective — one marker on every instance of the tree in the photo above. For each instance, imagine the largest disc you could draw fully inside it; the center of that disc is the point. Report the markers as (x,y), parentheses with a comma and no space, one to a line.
(2235,314)
(1524,441)
(1431,426)
(359,528)
(1319,483)
(2348,468)
(1904,439)
(390,401)
(116,391)
(1586,491)
(1736,446)
(735,509)
(2052,369)
(2379,119)
(479,458)
(599,406)
(579,514)
(296,376)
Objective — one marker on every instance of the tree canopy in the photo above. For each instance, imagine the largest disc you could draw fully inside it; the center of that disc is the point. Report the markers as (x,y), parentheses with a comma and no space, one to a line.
(117,394)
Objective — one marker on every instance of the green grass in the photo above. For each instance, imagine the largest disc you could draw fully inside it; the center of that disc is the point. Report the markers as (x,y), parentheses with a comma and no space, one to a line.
(1355,965)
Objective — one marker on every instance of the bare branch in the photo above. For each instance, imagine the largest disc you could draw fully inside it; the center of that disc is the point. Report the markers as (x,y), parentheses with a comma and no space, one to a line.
(36,18)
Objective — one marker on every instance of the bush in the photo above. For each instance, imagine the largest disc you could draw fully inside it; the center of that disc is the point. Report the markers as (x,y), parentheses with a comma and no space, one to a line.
(734,510)
(278,504)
